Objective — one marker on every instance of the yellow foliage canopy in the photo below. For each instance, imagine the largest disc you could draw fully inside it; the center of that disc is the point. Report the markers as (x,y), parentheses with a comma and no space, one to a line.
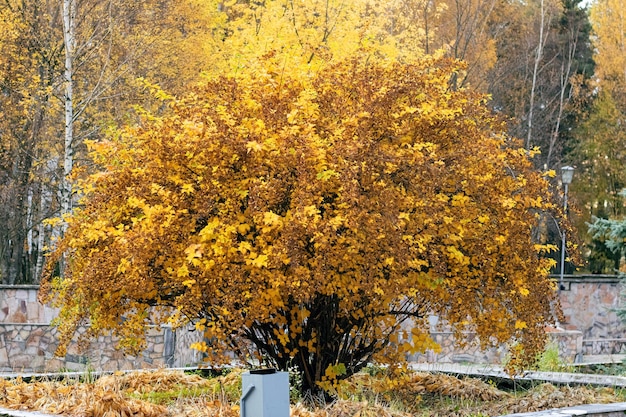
(310,216)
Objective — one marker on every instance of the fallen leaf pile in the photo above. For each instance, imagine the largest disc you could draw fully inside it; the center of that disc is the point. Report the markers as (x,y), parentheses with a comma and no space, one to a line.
(541,397)
(409,389)
(363,396)
(74,399)
(548,396)
(203,407)
(466,388)
(344,408)
(146,381)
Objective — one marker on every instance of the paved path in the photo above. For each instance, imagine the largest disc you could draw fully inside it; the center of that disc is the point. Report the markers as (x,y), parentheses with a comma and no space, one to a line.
(602,359)
(478,370)
(607,410)
(26,376)
(20,413)
(78,374)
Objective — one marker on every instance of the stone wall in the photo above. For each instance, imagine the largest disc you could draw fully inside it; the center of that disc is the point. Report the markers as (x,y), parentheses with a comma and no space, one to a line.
(589,303)
(453,352)
(569,343)
(591,326)
(28,341)
(26,347)
(18,304)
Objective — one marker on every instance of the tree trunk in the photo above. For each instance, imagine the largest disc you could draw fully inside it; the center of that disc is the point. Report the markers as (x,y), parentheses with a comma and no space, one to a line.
(69,42)
(538,58)
(566,74)
(45,200)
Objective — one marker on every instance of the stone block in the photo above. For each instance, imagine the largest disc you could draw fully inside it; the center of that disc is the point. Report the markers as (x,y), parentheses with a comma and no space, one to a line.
(4,356)
(54,365)
(37,364)
(33,340)
(463,358)
(117,354)
(73,349)
(127,365)
(110,366)
(49,314)
(17,317)
(32,313)
(77,359)
(21,363)
(47,338)
(73,366)
(33,351)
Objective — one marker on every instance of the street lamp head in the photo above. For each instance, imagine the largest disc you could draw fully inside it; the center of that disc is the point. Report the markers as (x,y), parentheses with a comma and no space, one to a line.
(567,174)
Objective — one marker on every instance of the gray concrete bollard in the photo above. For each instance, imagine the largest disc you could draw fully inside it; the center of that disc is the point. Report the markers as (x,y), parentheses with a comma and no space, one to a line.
(265,393)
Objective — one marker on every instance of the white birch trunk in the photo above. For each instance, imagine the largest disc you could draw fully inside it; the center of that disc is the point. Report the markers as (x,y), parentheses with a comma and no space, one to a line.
(44,207)
(69,42)
(29,222)
(566,73)
(538,58)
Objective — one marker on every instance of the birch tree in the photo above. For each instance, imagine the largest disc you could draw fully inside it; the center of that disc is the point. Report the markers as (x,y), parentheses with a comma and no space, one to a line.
(538,57)
(29,67)
(69,70)
(542,76)
(69,43)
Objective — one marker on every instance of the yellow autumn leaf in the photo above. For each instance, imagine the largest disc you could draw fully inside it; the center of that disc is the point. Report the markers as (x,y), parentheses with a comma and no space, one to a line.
(272,219)
(254,146)
(187,189)
(508,203)
(260,261)
(457,255)
(182,271)
(483,218)
(123,266)
(311,210)
(194,251)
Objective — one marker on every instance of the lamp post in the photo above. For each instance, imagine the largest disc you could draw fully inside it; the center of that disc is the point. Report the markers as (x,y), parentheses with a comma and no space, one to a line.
(567,174)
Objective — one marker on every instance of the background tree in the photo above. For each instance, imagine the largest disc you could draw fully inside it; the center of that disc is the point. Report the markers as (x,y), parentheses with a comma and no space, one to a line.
(463,29)
(599,139)
(608,18)
(112,41)
(308,33)
(601,151)
(303,217)
(107,47)
(28,69)
(541,77)
(183,39)
(612,233)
